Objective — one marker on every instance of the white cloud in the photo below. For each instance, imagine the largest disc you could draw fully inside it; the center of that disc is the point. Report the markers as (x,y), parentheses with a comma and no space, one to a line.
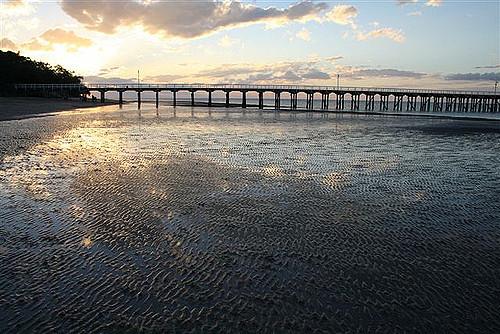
(405,2)
(304,34)
(227,42)
(390,33)
(185,19)
(434,3)
(16,8)
(342,14)
(417,13)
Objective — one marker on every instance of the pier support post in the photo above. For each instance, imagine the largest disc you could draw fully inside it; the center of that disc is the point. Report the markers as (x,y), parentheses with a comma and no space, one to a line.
(209,98)
(227,99)
(448,106)
(384,102)
(410,103)
(293,100)
(340,101)
(310,101)
(102,96)
(157,99)
(261,100)
(398,103)
(192,98)
(120,97)
(355,101)
(277,100)
(324,101)
(244,99)
(138,99)
(438,103)
(466,104)
(369,102)
(174,93)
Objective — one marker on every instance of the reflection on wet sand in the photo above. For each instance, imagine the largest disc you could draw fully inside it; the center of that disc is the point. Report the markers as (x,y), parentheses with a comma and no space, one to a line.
(245,221)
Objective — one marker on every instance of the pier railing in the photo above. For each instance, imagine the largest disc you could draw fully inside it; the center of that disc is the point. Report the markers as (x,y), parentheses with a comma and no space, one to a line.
(251,87)
(413,99)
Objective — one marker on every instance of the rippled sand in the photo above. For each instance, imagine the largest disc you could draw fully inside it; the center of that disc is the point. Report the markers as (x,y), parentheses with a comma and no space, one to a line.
(231,221)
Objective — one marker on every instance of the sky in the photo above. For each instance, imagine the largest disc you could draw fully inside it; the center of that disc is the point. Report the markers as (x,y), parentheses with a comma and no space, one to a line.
(439,44)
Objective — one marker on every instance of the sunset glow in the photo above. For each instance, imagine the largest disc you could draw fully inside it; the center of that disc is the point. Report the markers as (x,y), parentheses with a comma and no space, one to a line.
(433,44)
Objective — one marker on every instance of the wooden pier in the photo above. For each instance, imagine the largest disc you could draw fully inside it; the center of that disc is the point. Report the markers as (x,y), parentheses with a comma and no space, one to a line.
(361,98)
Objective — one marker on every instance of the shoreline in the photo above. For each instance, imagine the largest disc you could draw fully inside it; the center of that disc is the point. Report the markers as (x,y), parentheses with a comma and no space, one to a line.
(17,108)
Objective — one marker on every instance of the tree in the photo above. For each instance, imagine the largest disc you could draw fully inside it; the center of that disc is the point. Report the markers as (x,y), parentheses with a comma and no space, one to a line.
(15,68)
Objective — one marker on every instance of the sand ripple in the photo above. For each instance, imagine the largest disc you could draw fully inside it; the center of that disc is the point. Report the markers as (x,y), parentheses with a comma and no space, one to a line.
(122,221)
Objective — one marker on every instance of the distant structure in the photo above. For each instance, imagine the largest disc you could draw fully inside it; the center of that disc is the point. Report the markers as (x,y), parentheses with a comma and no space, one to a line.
(370,99)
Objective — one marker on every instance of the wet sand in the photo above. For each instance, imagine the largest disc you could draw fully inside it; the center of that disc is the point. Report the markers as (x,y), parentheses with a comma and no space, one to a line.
(12,108)
(209,220)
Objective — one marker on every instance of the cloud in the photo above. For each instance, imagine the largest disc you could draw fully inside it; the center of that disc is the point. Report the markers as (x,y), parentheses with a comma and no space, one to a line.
(434,3)
(334,58)
(227,42)
(473,76)
(104,71)
(488,67)
(7,44)
(185,19)
(342,14)
(36,45)
(386,73)
(60,36)
(14,3)
(390,33)
(316,74)
(405,2)
(304,34)
(16,8)
(280,72)
(53,37)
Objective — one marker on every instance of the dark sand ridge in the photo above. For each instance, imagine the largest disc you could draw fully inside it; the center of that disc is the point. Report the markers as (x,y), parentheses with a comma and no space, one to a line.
(12,108)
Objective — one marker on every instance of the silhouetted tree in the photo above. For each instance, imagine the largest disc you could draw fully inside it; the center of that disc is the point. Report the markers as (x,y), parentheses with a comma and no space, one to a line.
(15,68)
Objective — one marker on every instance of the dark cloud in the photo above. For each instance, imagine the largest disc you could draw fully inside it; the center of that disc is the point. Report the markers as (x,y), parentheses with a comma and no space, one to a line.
(185,19)
(334,58)
(386,73)
(104,71)
(474,76)
(488,67)
(260,77)
(316,74)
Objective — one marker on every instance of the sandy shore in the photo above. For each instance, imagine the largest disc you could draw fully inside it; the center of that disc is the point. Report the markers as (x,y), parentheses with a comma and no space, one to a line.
(187,220)
(22,107)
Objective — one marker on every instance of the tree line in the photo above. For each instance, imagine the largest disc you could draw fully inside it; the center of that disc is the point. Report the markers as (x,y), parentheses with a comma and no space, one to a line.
(15,68)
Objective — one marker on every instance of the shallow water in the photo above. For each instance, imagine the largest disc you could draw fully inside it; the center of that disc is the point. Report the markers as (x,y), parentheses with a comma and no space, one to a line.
(215,220)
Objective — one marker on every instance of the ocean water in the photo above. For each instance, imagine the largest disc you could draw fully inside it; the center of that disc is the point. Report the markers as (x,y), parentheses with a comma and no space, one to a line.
(231,220)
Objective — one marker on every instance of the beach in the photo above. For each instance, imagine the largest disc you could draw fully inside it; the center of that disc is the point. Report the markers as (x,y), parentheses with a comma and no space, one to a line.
(231,220)
(22,107)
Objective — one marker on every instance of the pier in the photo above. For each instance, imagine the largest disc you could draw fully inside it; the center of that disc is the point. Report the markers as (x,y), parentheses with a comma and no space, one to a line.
(360,98)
